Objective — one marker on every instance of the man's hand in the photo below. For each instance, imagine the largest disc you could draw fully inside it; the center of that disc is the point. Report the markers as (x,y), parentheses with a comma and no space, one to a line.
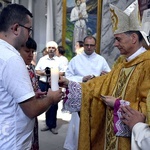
(40,94)
(55,96)
(86,78)
(40,72)
(131,116)
(63,82)
(103,73)
(108,100)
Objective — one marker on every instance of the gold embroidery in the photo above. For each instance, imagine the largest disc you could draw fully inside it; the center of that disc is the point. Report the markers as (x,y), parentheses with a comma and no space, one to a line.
(124,77)
(114,20)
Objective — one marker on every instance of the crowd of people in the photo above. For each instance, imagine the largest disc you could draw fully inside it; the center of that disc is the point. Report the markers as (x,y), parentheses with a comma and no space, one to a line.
(110,108)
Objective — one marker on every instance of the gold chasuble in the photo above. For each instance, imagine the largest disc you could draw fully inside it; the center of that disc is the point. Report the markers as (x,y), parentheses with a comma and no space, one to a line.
(128,80)
(148,108)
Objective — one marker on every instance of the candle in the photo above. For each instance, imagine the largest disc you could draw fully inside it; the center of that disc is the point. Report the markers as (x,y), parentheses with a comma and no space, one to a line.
(54,78)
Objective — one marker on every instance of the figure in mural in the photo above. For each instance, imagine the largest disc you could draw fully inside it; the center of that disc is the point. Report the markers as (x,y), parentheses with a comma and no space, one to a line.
(79,17)
(83,8)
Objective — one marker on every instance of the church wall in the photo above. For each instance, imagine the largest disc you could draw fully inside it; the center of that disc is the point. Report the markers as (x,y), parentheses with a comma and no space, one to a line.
(39,25)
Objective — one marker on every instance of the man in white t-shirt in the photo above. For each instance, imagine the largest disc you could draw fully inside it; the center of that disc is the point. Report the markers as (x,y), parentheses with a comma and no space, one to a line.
(63,59)
(43,70)
(18,104)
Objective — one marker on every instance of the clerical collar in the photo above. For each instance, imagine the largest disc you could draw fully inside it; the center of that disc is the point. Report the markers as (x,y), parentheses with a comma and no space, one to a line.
(138,52)
(89,56)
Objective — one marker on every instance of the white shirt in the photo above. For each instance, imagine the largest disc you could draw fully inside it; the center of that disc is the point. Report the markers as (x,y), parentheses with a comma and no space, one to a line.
(64,62)
(44,62)
(16,128)
(83,65)
(138,52)
(140,137)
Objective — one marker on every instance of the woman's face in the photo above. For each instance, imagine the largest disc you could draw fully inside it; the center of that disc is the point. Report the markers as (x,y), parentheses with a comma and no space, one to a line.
(27,54)
(77,46)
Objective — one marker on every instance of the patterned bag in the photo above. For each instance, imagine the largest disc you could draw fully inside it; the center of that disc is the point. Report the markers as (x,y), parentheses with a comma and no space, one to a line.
(120,128)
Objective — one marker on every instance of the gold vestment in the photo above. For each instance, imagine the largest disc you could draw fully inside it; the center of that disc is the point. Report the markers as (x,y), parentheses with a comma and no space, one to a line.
(96,124)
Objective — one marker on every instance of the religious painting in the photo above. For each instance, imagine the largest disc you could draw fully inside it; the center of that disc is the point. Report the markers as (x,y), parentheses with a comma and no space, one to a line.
(143,5)
(80,18)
